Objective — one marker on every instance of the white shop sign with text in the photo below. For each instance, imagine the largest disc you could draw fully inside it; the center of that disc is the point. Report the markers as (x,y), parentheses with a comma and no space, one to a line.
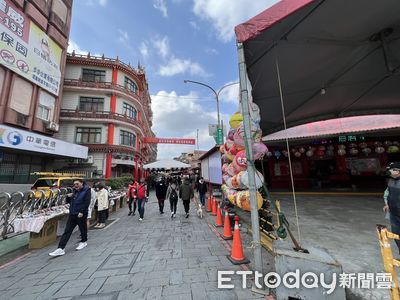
(18,139)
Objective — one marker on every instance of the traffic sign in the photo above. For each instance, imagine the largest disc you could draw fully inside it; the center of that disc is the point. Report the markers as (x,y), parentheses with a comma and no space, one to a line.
(220,137)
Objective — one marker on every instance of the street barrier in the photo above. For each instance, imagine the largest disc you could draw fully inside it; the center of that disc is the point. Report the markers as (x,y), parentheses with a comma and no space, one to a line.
(19,205)
(389,263)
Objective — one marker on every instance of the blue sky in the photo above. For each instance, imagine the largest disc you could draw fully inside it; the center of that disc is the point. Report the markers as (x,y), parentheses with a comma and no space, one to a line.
(173,40)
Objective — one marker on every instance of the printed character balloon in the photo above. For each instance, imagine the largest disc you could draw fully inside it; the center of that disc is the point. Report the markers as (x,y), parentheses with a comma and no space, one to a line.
(235,120)
(259,150)
(255,113)
(231,133)
(240,161)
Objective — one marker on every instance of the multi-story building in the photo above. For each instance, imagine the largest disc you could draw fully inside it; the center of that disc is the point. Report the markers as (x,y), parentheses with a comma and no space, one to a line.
(33,42)
(106,106)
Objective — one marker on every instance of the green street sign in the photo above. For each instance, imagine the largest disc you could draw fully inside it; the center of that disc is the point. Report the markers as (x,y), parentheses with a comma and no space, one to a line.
(220,137)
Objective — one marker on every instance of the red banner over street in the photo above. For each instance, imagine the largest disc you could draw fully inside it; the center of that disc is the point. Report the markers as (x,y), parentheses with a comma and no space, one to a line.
(151,140)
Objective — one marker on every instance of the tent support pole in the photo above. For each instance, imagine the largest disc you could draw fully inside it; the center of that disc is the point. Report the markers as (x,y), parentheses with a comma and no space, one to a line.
(244,102)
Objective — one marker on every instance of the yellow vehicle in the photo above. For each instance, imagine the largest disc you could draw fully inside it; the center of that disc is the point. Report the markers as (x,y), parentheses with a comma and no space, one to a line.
(52,180)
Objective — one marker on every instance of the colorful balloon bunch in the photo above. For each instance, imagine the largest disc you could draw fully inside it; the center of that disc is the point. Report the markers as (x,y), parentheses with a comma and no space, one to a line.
(234,169)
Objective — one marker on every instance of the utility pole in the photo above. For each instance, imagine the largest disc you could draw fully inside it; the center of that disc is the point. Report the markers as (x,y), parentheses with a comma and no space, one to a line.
(197,139)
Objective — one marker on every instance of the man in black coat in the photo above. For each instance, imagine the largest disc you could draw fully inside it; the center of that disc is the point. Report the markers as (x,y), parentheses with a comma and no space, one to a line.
(161,192)
(79,202)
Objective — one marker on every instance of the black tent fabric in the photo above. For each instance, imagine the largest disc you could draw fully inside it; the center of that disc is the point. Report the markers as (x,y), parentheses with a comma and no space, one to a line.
(336,58)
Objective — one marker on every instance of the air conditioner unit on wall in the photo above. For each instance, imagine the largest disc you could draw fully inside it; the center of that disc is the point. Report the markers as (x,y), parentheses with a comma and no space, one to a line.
(89,159)
(53,126)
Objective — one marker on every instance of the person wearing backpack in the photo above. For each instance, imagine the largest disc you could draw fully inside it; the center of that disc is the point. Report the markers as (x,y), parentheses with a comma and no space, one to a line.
(172,195)
(142,197)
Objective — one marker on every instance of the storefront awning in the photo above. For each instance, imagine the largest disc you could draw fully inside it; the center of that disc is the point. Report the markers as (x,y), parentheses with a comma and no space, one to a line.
(359,124)
(336,58)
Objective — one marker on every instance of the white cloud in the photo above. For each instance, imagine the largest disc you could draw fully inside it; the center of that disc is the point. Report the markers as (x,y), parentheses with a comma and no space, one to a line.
(180,117)
(212,51)
(181,66)
(224,15)
(73,46)
(96,2)
(162,46)
(230,93)
(123,36)
(144,49)
(194,25)
(161,6)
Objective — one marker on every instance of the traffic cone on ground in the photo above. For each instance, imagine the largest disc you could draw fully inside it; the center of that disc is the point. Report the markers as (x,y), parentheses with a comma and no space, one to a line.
(237,256)
(227,235)
(218,221)
(209,205)
(214,207)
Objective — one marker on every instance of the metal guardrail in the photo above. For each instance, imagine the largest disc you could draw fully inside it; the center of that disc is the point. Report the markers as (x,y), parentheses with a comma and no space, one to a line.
(18,203)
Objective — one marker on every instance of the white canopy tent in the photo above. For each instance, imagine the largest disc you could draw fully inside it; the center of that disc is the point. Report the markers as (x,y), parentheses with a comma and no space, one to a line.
(167,165)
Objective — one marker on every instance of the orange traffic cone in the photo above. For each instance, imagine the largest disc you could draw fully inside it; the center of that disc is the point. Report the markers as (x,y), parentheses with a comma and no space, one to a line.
(227,227)
(214,207)
(218,222)
(237,256)
(209,204)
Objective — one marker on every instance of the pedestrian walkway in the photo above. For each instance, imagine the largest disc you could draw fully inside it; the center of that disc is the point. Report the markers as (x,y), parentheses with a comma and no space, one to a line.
(157,258)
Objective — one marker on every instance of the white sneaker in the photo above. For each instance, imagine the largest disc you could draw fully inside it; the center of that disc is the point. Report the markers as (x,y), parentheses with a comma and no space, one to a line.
(57,252)
(140,219)
(81,246)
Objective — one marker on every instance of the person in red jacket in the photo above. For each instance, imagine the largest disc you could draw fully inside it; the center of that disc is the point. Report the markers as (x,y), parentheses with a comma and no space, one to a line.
(131,195)
(142,197)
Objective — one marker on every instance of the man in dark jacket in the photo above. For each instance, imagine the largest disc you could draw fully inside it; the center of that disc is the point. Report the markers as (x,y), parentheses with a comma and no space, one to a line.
(202,189)
(79,202)
(392,198)
(186,193)
(161,192)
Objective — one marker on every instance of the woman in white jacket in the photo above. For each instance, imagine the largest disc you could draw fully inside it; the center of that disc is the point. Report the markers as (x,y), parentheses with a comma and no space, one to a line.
(102,205)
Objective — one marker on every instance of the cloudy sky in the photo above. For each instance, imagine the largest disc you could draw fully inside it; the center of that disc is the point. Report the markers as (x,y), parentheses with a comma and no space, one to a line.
(173,40)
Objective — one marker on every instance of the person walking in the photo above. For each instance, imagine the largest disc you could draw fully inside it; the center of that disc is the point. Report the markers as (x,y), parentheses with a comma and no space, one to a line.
(142,197)
(131,194)
(186,193)
(202,189)
(91,205)
(79,201)
(161,192)
(102,205)
(392,198)
(172,195)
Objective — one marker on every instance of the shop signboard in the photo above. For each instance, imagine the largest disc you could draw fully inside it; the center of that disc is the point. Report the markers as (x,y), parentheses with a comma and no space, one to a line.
(27,50)
(155,140)
(18,139)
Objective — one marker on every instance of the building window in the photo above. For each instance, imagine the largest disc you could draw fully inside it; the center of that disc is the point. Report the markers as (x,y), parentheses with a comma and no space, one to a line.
(43,113)
(85,135)
(129,111)
(127,138)
(91,104)
(130,85)
(21,96)
(90,75)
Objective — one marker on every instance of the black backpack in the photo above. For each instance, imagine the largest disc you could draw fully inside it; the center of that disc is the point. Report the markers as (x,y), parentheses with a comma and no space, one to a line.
(174,195)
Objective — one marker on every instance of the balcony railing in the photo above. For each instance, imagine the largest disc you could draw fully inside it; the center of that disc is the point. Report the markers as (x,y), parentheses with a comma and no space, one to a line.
(101,85)
(70,113)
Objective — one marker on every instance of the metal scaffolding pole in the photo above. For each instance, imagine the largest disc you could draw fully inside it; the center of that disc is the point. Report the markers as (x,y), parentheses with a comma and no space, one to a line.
(244,102)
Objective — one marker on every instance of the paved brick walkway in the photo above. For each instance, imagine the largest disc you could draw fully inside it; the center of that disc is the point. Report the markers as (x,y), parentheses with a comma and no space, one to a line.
(158,258)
